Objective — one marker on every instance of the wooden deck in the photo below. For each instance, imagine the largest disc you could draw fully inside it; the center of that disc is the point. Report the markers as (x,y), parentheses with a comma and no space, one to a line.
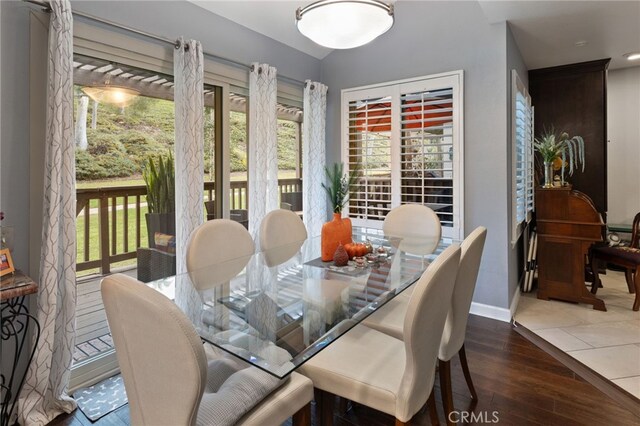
(92,331)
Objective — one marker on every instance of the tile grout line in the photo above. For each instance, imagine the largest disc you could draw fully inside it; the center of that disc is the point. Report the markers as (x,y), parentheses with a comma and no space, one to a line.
(603,347)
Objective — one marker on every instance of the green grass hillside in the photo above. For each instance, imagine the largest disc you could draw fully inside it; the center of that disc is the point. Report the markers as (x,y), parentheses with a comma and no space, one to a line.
(125,137)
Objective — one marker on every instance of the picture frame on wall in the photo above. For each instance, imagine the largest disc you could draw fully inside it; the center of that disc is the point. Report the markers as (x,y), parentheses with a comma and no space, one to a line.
(6,262)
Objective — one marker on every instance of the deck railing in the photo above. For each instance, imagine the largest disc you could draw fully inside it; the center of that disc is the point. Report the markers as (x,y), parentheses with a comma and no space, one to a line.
(111,222)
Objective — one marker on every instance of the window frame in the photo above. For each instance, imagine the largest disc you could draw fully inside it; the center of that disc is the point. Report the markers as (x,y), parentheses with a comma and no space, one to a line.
(518,226)
(454,80)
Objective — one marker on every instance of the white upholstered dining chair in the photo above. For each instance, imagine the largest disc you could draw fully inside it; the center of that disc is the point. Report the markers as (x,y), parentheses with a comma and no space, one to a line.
(414,229)
(222,243)
(382,372)
(166,374)
(417,227)
(390,318)
(281,235)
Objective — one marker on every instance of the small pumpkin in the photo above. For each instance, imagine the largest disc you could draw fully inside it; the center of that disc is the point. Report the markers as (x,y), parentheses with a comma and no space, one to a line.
(350,248)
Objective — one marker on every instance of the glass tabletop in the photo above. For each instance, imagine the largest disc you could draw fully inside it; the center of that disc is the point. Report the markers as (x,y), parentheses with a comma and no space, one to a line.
(276,309)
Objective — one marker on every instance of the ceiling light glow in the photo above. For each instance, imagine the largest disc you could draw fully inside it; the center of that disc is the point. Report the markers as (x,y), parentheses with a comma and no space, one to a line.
(344,24)
(115,95)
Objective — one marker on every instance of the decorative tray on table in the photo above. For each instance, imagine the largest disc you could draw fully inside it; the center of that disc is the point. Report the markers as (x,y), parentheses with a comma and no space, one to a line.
(352,268)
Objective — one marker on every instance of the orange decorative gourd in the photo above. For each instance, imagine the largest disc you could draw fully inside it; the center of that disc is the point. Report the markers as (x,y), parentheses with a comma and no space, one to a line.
(349,248)
(334,233)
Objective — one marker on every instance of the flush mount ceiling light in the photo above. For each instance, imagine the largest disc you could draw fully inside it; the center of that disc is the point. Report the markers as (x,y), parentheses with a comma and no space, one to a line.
(108,94)
(344,24)
(633,56)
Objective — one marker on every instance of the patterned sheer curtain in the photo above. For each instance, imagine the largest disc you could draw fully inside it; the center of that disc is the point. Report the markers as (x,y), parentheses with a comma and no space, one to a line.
(313,156)
(263,144)
(44,394)
(189,147)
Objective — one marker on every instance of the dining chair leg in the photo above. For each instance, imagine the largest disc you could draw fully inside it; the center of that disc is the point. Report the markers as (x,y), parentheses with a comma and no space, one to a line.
(343,405)
(325,411)
(595,265)
(318,397)
(467,374)
(628,275)
(444,368)
(433,411)
(636,281)
(302,417)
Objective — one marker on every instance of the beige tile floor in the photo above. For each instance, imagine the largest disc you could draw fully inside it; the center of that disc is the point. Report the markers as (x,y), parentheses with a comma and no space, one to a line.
(607,342)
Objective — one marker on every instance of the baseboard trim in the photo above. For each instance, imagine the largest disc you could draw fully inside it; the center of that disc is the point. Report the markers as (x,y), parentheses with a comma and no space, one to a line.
(495,312)
(607,387)
(490,311)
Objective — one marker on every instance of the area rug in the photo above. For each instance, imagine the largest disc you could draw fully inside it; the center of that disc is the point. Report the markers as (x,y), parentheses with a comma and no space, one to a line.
(102,398)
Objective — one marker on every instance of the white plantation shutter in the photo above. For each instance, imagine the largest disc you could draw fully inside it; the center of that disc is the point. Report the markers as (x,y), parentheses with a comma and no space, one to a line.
(522,139)
(426,151)
(405,140)
(369,151)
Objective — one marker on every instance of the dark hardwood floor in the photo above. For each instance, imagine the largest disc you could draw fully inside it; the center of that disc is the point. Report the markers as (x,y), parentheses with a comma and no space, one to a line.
(517,384)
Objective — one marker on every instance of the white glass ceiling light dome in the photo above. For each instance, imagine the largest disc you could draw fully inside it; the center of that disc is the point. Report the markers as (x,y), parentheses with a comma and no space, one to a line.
(344,24)
(108,94)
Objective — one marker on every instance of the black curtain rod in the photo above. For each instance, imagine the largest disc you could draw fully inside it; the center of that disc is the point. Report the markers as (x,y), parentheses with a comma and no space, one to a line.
(175,43)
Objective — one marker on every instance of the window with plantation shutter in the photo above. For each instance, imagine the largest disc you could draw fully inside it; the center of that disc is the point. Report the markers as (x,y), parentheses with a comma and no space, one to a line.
(426,151)
(404,139)
(523,156)
(369,152)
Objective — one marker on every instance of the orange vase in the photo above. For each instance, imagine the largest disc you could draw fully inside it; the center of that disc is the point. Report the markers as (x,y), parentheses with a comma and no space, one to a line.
(335,232)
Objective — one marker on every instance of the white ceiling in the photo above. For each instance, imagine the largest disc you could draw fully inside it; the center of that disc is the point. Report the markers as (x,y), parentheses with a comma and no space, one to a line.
(275,19)
(545,31)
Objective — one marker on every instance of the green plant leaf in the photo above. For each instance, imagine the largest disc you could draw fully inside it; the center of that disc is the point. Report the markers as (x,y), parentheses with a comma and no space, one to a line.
(551,146)
(160,182)
(338,186)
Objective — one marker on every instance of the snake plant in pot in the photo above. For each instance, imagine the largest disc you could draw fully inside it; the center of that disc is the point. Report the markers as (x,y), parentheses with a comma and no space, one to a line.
(562,150)
(159,178)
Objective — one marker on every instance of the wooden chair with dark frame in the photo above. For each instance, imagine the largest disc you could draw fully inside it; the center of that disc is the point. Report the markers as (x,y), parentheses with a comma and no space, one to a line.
(238,215)
(627,257)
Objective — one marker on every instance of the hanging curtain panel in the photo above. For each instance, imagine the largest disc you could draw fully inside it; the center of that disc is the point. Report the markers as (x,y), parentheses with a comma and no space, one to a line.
(189,148)
(313,157)
(263,144)
(44,394)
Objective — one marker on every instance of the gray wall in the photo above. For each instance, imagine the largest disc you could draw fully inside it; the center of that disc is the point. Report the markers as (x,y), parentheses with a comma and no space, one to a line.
(14,143)
(14,125)
(623,156)
(436,37)
(514,61)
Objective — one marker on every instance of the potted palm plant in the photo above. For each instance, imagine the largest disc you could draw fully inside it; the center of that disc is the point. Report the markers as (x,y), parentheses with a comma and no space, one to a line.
(159,178)
(554,147)
(338,230)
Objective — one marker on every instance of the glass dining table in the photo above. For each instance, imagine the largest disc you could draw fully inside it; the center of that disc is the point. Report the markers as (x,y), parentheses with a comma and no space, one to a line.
(279,307)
